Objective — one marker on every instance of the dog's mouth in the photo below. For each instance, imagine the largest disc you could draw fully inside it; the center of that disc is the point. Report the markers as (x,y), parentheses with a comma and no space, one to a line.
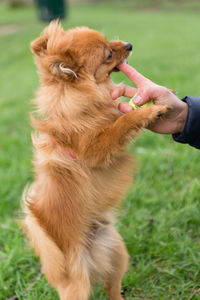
(115,69)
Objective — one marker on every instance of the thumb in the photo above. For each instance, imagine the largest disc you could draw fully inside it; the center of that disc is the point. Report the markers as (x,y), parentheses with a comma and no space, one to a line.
(141,97)
(146,94)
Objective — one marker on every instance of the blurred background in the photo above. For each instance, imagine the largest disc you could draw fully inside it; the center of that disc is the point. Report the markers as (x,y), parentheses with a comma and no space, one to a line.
(160,217)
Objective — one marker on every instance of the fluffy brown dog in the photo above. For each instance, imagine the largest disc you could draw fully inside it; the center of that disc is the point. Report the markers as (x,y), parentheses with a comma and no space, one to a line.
(81,167)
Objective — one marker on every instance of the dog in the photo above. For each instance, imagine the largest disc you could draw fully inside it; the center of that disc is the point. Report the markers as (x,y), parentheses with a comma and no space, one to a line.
(82,169)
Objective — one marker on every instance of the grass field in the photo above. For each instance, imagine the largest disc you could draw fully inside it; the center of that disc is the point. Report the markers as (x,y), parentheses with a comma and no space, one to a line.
(160,217)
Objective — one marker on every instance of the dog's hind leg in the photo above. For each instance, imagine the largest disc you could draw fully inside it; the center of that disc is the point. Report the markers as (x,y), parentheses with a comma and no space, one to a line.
(119,258)
(64,272)
(74,288)
(110,260)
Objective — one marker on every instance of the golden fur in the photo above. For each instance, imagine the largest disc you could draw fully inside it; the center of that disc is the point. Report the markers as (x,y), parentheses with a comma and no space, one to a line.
(70,207)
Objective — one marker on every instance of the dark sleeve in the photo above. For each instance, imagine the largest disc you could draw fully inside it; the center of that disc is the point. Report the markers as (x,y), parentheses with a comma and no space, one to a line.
(191,132)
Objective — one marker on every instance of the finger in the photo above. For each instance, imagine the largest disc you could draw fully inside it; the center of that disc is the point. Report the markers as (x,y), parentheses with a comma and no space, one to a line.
(123,90)
(133,75)
(143,96)
(124,107)
(149,93)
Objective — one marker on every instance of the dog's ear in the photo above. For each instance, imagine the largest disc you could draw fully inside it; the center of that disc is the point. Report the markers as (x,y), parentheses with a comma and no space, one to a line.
(39,45)
(50,35)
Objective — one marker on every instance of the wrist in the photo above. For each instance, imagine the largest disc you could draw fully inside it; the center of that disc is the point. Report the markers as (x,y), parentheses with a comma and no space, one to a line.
(182,117)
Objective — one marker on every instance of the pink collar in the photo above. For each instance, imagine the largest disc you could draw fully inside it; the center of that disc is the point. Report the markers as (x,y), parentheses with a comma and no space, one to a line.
(66,150)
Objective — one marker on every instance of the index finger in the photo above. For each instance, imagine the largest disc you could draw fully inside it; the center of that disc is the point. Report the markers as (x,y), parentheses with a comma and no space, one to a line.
(134,75)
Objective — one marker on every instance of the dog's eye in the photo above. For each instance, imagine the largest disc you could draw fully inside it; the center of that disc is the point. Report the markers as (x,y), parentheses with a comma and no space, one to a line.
(110,55)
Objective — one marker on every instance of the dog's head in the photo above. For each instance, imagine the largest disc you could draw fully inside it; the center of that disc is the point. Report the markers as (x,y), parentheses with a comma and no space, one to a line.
(77,54)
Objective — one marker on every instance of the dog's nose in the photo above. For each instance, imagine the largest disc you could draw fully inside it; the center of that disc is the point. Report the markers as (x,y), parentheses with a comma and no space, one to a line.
(128,46)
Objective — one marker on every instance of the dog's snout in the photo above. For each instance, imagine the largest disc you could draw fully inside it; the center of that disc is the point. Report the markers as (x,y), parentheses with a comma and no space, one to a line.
(128,46)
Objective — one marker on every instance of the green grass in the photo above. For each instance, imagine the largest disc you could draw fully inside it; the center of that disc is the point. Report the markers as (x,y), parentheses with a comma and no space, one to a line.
(160,217)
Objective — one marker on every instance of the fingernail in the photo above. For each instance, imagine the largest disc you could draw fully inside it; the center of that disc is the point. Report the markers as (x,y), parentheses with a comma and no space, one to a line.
(113,94)
(128,108)
(137,99)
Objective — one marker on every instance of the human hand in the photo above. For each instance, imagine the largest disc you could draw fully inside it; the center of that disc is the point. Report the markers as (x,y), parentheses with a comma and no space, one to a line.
(173,121)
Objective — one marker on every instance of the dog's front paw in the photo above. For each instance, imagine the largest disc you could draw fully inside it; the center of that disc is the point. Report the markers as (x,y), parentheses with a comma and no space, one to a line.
(156,111)
(149,114)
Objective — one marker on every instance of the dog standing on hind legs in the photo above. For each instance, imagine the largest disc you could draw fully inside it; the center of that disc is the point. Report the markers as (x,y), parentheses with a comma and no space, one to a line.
(81,166)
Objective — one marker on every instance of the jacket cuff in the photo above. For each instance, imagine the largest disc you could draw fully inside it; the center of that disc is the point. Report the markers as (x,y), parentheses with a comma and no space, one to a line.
(191,132)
